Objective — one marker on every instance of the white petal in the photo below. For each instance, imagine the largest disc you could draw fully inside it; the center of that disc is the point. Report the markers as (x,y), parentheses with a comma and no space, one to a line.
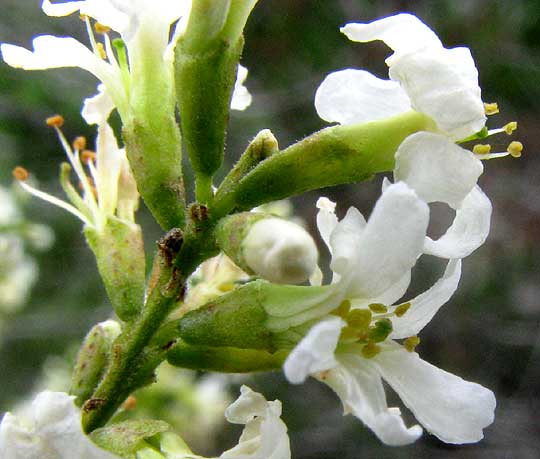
(247,406)
(61,9)
(96,109)
(53,52)
(361,391)
(388,297)
(468,231)
(390,243)
(443,84)
(436,168)
(109,164)
(356,96)
(241,98)
(426,305)
(449,407)
(326,219)
(315,352)
(345,236)
(17,440)
(403,33)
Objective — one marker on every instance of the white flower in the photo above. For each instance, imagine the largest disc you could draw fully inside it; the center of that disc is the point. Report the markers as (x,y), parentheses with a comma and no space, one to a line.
(108,187)
(439,82)
(52,431)
(353,349)
(145,28)
(280,251)
(265,434)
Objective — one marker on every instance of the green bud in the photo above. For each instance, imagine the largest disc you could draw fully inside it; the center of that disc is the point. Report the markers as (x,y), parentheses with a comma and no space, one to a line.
(224,359)
(92,359)
(333,156)
(120,258)
(207,57)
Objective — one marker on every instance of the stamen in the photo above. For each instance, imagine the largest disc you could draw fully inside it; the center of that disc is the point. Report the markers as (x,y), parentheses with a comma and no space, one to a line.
(79,143)
(381,330)
(88,156)
(510,127)
(411,343)
(226,287)
(370,350)
(359,319)
(402,309)
(343,309)
(20,174)
(56,121)
(378,308)
(349,334)
(491,108)
(101,28)
(515,148)
(482,149)
(100,50)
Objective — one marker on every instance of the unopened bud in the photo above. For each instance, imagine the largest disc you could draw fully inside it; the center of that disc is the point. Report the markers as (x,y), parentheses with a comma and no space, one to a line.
(280,251)
(92,359)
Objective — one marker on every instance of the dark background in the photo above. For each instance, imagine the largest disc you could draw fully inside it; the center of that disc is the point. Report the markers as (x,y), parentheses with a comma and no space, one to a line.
(488,333)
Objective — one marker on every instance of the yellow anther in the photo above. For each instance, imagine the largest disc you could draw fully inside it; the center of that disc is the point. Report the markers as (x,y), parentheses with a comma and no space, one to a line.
(56,121)
(101,51)
(130,403)
(491,108)
(226,287)
(359,319)
(370,350)
(402,309)
(343,309)
(101,28)
(20,174)
(79,143)
(515,148)
(88,156)
(411,343)
(480,149)
(510,127)
(349,334)
(378,308)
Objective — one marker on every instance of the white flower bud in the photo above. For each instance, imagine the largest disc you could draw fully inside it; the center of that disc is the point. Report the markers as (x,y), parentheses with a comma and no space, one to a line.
(280,251)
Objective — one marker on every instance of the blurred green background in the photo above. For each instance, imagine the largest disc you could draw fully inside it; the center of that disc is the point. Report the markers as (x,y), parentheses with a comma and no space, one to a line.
(488,333)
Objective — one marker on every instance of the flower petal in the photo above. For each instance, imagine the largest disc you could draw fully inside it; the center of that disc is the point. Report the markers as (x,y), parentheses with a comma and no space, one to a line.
(356,96)
(449,407)
(61,9)
(241,98)
(246,407)
(361,391)
(426,305)
(315,352)
(468,231)
(390,243)
(346,235)
(403,33)
(436,168)
(109,164)
(388,297)
(326,219)
(96,109)
(443,84)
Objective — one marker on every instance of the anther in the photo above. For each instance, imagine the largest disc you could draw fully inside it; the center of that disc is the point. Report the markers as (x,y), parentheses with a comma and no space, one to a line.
(378,308)
(79,143)
(226,287)
(100,49)
(491,108)
(381,330)
(101,28)
(402,309)
(56,121)
(88,156)
(411,343)
(20,174)
(359,319)
(481,149)
(370,350)
(510,127)
(343,309)
(515,148)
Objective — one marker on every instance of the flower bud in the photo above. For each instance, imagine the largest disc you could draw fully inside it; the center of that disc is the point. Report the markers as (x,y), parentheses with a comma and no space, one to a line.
(272,248)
